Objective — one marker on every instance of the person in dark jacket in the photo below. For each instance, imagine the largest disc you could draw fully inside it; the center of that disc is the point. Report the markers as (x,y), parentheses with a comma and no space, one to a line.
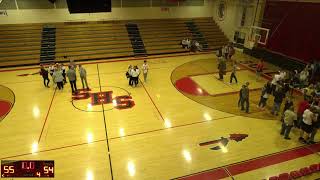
(222,67)
(240,96)
(63,68)
(265,92)
(44,73)
(233,73)
(244,97)
(278,98)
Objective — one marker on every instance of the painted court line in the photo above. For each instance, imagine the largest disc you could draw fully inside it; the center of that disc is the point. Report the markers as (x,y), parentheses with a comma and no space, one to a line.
(234,92)
(253,70)
(219,173)
(105,127)
(88,75)
(151,100)
(45,121)
(173,127)
(189,86)
(257,163)
(53,149)
(118,137)
(214,72)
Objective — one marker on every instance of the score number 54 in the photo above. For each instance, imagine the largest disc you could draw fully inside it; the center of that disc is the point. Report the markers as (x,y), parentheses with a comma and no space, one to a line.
(46,170)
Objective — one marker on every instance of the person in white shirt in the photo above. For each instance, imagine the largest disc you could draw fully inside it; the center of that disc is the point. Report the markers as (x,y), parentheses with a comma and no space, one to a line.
(275,81)
(51,69)
(306,124)
(282,75)
(135,72)
(225,51)
(289,117)
(198,46)
(145,69)
(304,77)
(188,42)
(184,43)
(195,46)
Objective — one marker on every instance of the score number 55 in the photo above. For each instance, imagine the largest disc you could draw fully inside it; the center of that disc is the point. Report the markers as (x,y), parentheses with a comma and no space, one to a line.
(8,169)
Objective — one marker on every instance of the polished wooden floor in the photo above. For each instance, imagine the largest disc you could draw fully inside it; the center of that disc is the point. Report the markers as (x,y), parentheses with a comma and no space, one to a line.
(158,138)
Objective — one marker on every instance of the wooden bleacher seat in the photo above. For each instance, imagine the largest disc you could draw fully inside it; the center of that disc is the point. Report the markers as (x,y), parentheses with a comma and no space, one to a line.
(211,31)
(92,40)
(19,62)
(166,51)
(21,52)
(21,57)
(164,35)
(21,44)
(18,48)
(96,56)
(97,44)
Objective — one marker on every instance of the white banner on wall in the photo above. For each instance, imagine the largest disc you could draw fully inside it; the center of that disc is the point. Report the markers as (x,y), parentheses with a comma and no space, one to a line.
(3,13)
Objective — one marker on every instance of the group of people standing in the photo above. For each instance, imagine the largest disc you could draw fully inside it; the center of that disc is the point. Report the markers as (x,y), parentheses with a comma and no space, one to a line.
(59,75)
(133,74)
(281,87)
(306,118)
(225,54)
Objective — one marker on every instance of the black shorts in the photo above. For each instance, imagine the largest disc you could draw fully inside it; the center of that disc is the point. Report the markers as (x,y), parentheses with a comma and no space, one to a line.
(306,128)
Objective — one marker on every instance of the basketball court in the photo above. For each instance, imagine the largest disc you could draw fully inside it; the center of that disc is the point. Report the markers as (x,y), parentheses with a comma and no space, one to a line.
(164,128)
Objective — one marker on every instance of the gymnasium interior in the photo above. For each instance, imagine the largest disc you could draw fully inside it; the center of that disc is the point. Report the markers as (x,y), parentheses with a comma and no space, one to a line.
(180,120)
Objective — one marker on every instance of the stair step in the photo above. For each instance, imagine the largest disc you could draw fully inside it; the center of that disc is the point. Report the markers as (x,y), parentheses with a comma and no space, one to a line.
(135,38)
(46,48)
(47,53)
(48,36)
(45,41)
(48,43)
(197,34)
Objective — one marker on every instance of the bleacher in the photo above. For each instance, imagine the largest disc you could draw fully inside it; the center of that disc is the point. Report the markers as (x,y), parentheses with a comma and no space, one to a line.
(211,32)
(97,40)
(20,44)
(163,36)
(26,44)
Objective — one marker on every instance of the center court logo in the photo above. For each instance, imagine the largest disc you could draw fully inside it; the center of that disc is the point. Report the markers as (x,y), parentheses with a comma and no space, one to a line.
(92,99)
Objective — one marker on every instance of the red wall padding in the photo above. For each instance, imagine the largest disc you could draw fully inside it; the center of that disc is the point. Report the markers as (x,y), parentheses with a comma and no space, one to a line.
(295,29)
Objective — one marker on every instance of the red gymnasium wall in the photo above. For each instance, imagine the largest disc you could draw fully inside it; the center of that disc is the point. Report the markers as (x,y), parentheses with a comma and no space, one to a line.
(295,28)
